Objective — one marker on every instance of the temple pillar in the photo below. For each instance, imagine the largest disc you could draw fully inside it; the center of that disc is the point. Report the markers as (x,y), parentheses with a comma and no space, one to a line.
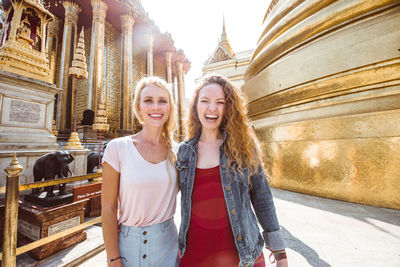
(126,118)
(179,100)
(149,55)
(64,105)
(168,66)
(96,68)
(52,46)
(168,58)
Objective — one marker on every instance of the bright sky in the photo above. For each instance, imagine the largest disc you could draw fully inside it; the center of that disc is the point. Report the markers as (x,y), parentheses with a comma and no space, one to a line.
(196,27)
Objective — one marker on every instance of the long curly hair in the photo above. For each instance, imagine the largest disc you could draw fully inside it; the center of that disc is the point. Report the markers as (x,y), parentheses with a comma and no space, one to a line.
(170,125)
(240,144)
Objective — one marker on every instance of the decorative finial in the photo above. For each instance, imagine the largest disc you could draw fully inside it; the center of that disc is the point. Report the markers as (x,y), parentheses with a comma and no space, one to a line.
(223,23)
(14,169)
(78,68)
(100,122)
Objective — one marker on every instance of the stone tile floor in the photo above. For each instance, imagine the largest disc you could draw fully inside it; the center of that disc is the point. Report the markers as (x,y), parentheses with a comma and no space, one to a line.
(319,232)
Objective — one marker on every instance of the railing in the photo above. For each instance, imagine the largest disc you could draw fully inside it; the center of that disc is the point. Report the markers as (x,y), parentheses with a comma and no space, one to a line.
(12,189)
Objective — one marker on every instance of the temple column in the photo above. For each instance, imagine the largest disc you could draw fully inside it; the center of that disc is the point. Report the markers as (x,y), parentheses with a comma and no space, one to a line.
(126,118)
(149,55)
(52,46)
(96,68)
(168,66)
(179,100)
(64,104)
(15,21)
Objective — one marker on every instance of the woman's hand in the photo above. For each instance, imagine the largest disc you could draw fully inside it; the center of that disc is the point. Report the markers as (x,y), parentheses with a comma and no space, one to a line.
(282,263)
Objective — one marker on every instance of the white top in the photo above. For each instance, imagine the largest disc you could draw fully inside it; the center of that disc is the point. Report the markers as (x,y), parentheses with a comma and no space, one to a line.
(146,195)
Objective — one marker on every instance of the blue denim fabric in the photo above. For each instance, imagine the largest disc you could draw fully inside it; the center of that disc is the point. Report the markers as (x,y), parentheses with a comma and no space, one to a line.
(150,246)
(239,197)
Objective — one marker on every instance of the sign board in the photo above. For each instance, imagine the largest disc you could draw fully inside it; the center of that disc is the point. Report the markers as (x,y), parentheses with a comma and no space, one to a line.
(86,191)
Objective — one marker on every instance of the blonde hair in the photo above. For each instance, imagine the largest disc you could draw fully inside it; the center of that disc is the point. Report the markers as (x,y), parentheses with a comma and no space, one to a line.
(240,144)
(169,125)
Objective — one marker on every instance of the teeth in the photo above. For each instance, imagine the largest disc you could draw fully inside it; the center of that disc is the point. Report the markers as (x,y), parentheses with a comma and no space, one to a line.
(155,115)
(211,116)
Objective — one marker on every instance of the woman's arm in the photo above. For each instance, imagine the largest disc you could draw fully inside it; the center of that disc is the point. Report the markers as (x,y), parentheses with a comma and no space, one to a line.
(262,200)
(109,207)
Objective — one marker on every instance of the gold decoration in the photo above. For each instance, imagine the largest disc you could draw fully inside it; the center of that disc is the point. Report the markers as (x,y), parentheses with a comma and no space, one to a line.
(20,54)
(78,69)
(54,128)
(73,142)
(24,33)
(14,169)
(329,117)
(77,72)
(100,122)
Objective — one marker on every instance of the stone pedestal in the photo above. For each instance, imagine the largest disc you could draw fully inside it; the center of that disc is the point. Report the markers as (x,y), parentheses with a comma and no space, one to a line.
(86,133)
(79,165)
(26,114)
(35,223)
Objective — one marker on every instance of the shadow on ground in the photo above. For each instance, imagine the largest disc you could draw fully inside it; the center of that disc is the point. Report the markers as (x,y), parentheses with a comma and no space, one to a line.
(359,212)
(304,250)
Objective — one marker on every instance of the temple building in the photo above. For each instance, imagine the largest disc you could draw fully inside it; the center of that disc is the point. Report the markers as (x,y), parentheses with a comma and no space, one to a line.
(324,95)
(120,44)
(224,61)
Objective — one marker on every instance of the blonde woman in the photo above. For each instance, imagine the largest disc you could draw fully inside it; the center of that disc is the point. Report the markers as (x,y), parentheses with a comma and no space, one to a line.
(139,178)
(222,181)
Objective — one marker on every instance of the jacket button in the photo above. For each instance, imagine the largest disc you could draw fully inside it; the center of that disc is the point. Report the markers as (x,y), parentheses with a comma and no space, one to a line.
(239,238)
(144,233)
(144,256)
(233,211)
(227,188)
(145,241)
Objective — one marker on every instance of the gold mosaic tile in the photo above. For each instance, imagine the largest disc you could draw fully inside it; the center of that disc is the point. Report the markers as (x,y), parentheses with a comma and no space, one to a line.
(113,75)
(363,169)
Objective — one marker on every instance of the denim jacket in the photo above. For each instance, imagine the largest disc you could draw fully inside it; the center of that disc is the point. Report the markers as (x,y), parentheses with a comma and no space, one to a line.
(239,196)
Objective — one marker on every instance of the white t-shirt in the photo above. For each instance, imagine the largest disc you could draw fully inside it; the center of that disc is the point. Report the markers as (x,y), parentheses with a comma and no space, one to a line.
(147,195)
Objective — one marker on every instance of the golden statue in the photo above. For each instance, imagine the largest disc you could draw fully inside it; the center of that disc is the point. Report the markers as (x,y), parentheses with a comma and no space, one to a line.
(24,33)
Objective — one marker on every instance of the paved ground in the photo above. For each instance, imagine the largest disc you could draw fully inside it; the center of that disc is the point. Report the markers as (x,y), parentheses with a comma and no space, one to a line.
(319,232)
(322,233)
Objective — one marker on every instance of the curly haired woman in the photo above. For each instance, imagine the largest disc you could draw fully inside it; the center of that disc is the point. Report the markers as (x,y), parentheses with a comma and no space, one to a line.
(221,178)
(139,176)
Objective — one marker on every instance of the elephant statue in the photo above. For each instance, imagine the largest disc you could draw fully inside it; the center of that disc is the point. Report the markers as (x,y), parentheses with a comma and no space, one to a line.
(93,159)
(50,165)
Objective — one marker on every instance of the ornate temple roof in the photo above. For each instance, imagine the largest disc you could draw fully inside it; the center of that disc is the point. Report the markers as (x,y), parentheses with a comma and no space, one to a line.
(224,50)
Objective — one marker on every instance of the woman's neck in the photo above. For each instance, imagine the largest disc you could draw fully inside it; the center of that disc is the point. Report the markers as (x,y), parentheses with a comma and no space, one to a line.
(151,134)
(208,135)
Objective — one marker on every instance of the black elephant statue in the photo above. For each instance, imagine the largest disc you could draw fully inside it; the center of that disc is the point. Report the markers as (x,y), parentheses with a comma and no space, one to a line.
(48,167)
(93,159)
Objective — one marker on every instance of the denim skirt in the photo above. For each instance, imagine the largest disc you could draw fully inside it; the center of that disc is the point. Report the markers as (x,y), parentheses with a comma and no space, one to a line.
(151,246)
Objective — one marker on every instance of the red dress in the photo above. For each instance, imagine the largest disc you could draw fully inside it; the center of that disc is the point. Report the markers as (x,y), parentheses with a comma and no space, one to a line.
(210,241)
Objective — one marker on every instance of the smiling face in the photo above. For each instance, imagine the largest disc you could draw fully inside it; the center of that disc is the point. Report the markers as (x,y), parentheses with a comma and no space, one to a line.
(154,106)
(211,106)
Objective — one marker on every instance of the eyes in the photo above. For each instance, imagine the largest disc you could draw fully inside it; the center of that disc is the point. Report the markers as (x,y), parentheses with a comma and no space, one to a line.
(206,101)
(161,101)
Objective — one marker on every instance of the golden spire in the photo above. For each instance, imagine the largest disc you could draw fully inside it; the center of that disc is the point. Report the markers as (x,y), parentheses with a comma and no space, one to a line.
(78,69)
(224,42)
(100,122)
